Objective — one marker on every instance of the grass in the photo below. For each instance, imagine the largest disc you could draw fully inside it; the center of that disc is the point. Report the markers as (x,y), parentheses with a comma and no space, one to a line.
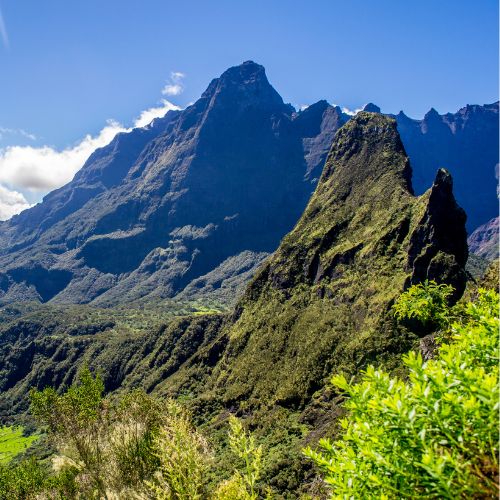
(13,442)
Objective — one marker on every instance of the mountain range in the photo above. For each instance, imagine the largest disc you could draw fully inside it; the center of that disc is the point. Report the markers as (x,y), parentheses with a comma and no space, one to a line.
(190,206)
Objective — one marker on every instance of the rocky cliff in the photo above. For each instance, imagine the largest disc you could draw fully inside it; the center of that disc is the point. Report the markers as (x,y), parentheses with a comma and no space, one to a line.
(483,242)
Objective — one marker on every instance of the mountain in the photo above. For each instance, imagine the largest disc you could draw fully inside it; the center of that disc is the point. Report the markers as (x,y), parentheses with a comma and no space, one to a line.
(483,242)
(320,304)
(211,188)
(466,143)
(322,301)
(189,206)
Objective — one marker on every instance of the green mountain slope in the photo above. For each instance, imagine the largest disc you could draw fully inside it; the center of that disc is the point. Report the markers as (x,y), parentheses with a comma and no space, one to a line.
(322,302)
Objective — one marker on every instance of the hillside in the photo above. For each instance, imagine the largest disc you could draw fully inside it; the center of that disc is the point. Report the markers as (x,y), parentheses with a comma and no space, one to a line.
(322,302)
(483,242)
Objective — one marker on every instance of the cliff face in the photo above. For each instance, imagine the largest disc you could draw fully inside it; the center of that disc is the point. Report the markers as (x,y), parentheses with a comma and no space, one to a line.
(465,143)
(321,303)
(192,204)
(205,190)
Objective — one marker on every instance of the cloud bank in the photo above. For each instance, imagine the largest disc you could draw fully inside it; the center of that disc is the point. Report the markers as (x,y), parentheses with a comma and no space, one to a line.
(42,169)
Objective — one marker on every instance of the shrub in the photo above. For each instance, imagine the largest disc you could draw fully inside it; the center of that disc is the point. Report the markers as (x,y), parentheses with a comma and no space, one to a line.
(242,485)
(22,480)
(105,444)
(78,422)
(426,302)
(183,456)
(432,436)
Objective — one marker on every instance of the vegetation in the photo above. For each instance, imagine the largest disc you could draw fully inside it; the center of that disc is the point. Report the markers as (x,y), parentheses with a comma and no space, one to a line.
(115,342)
(109,443)
(243,484)
(320,304)
(12,442)
(184,457)
(434,435)
(427,303)
(127,445)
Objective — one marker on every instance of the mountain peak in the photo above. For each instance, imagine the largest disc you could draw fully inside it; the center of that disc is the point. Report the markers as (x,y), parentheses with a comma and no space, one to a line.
(349,251)
(431,114)
(366,140)
(372,108)
(245,83)
(246,71)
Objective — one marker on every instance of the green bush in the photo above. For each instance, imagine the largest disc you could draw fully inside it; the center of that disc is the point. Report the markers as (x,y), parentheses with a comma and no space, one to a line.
(22,481)
(105,443)
(434,435)
(426,302)
(243,484)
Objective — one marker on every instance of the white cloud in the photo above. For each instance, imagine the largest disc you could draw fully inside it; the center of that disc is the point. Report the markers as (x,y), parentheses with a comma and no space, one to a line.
(11,203)
(146,117)
(175,85)
(45,168)
(172,89)
(351,112)
(41,169)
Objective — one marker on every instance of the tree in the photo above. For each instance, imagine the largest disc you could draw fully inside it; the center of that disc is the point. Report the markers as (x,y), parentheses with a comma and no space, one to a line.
(108,441)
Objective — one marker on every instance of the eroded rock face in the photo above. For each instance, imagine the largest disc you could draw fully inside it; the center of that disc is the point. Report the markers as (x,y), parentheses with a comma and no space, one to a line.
(466,144)
(192,193)
(438,247)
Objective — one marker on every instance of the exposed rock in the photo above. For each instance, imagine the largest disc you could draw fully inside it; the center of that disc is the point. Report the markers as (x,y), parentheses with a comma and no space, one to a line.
(164,205)
(466,144)
(483,242)
(372,108)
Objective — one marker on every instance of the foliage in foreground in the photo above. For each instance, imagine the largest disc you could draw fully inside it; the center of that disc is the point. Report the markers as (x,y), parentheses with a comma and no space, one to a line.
(134,446)
(243,484)
(435,435)
(106,442)
(425,302)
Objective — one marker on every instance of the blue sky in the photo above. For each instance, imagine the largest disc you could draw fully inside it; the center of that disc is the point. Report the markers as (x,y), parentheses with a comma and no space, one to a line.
(68,66)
